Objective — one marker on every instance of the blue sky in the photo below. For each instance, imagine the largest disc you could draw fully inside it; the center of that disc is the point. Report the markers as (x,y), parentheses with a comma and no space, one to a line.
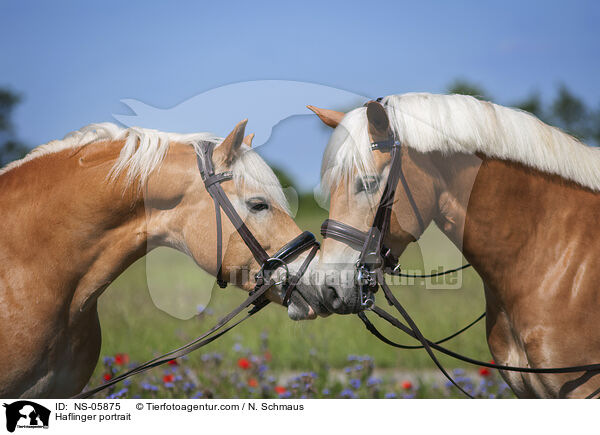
(75,61)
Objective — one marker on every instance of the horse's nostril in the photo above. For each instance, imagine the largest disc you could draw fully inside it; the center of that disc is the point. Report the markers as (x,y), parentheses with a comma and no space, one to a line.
(331,295)
(337,303)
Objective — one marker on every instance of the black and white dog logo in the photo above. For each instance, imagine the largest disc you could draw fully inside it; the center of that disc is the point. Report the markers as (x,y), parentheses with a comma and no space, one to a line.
(26,414)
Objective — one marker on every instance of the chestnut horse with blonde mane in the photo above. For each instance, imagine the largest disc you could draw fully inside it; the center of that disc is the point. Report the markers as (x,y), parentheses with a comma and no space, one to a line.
(518,197)
(78,212)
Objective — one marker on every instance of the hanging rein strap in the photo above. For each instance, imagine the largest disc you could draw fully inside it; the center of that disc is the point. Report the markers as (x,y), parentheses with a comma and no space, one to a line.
(256,298)
(197,343)
(410,331)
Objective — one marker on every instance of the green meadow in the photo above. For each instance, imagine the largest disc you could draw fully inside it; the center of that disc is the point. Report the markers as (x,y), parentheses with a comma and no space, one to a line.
(151,309)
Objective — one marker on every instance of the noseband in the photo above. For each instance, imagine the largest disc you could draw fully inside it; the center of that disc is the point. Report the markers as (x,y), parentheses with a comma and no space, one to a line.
(264,282)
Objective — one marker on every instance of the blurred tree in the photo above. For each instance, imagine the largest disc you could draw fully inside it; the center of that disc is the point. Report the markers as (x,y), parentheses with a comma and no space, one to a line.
(532,104)
(595,126)
(570,113)
(10,147)
(284,178)
(566,111)
(464,87)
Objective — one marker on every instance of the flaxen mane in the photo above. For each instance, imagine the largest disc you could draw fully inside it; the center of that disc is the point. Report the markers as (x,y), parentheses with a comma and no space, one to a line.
(460,123)
(145,149)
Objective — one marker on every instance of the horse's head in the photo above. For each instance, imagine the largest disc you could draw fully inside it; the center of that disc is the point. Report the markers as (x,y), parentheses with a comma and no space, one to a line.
(354,176)
(254,191)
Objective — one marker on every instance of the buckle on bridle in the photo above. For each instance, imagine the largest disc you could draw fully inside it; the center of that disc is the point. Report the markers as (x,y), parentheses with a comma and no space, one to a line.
(366,280)
(385,145)
(270,266)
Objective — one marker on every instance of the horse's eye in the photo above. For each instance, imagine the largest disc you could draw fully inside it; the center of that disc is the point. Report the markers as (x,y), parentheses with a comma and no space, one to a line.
(256,205)
(368,184)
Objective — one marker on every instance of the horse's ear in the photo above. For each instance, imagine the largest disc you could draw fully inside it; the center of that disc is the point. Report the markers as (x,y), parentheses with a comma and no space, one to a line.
(379,123)
(228,150)
(248,139)
(329,117)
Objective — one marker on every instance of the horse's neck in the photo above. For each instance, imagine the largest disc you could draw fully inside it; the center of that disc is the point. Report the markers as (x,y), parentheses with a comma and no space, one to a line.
(69,231)
(520,222)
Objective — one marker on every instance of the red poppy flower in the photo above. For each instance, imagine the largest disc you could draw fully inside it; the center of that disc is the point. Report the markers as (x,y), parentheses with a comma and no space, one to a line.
(168,378)
(107,377)
(121,359)
(252,382)
(280,390)
(173,362)
(484,371)
(407,385)
(243,363)
(492,361)
(267,356)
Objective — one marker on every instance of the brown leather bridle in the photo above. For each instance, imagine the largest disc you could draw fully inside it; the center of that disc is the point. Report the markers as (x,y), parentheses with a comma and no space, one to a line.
(263,279)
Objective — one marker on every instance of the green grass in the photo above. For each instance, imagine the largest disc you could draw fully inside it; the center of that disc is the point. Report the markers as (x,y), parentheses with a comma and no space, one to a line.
(132,323)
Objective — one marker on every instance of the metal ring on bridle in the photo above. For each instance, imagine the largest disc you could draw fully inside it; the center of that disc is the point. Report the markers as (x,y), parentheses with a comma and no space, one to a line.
(281,263)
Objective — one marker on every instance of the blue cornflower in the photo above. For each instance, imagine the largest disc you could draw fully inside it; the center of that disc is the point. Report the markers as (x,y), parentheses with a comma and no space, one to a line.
(122,392)
(198,395)
(372,381)
(149,387)
(347,394)
(391,395)
(355,383)
(325,392)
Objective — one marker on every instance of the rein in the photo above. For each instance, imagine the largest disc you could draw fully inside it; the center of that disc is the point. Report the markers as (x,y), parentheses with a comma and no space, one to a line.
(264,282)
